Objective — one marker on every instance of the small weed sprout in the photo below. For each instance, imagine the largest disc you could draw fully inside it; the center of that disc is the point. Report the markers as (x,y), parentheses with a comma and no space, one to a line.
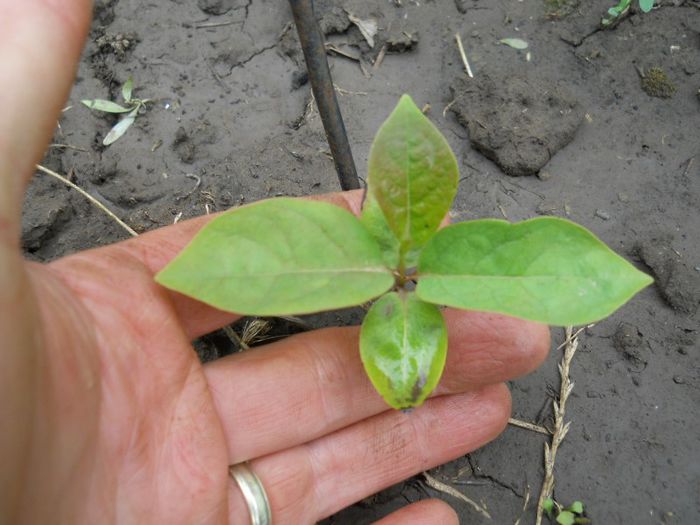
(131,108)
(572,515)
(616,13)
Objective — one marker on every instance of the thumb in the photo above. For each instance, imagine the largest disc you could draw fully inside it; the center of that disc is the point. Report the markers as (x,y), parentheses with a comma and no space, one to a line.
(40,43)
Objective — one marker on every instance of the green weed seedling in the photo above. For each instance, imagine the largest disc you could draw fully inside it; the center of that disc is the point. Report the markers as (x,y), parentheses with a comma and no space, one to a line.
(616,13)
(131,108)
(293,256)
(571,515)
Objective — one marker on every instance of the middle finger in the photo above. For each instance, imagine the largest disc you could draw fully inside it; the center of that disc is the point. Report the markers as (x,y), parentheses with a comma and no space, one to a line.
(314,383)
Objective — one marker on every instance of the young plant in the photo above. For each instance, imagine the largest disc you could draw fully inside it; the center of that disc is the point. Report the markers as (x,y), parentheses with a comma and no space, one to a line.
(572,515)
(131,108)
(616,13)
(293,256)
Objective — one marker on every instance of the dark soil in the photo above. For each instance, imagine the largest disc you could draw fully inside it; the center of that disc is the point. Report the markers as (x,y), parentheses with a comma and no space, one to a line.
(232,124)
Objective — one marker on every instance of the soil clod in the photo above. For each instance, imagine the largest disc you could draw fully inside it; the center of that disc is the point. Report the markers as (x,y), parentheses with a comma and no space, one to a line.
(628,341)
(678,284)
(516,121)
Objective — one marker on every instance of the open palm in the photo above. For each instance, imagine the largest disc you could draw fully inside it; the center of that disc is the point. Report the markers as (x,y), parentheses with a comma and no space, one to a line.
(108,416)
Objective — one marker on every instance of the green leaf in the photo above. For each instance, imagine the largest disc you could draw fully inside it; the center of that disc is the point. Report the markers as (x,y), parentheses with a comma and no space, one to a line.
(565,518)
(403,345)
(548,506)
(576,507)
(646,5)
(120,128)
(280,257)
(105,105)
(127,89)
(413,175)
(373,219)
(545,269)
(515,43)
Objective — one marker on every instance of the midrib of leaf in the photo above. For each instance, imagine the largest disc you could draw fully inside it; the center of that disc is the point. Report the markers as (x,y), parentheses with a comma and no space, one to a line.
(467,277)
(320,271)
(404,340)
(407,229)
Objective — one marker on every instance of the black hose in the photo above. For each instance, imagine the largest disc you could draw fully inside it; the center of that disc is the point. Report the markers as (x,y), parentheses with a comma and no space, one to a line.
(322,85)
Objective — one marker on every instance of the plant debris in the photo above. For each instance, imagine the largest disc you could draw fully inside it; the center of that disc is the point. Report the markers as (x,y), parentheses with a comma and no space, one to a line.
(655,83)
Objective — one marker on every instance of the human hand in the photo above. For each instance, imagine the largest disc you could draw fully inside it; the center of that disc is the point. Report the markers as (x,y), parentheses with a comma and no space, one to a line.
(108,416)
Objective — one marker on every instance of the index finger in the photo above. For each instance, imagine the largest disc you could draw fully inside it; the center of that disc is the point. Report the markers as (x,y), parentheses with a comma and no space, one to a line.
(137,260)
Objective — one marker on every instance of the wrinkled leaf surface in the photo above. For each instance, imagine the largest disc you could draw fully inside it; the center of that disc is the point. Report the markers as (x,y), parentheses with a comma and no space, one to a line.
(403,345)
(545,269)
(412,174)
(280,257)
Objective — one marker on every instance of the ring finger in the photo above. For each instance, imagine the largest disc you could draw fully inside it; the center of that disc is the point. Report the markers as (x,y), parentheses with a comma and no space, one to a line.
(311,481)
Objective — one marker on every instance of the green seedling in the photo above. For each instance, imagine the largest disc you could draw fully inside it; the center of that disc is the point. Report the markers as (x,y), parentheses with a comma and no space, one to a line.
(616,13)
(131,109)
(292,256)
(571,515)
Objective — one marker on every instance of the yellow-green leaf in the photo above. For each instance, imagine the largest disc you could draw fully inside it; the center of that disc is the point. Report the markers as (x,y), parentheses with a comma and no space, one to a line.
(373,219)
(106,106)
(403,345)
(280,257)
(545,269)
(413,175)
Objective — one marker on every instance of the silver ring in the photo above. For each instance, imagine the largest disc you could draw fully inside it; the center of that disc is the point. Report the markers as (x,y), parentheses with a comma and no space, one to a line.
(253,493)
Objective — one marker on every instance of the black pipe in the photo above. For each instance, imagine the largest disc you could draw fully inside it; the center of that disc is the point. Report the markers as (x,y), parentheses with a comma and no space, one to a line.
(322,85)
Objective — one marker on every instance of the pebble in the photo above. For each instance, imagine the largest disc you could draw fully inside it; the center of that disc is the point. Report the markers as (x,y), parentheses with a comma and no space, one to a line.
(603,215)
(544,175)
(678,380)
(623,197)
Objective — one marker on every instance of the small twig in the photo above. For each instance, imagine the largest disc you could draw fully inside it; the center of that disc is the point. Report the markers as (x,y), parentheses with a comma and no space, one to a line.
(380,57)
(575,335)
(235,338)
(467,67)
(197,184)
(85,194)
(529,426)
(205,25)
(688,164)
(443,487)
(342,91)
(448,106)
(560,427)
(68,146)
(525,504)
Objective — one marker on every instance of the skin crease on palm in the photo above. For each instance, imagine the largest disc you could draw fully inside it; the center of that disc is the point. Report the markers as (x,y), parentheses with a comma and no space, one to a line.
(107,415)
